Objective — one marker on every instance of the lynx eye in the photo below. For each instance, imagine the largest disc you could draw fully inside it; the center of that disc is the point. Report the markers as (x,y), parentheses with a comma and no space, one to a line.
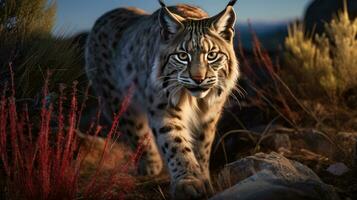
(183,57)
(212,56)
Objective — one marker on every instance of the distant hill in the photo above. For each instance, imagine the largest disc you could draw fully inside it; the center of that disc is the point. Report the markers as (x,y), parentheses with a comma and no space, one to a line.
(271,35)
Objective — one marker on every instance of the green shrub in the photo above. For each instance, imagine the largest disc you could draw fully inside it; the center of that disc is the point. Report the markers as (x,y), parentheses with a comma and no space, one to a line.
(27,42)
(26,16)
(321,66)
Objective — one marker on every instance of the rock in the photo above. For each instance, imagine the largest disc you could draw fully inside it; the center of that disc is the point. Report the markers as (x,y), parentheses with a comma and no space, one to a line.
(321,11)
(272,176)
(314,147)
(273,162)
(264,186)
(338,169)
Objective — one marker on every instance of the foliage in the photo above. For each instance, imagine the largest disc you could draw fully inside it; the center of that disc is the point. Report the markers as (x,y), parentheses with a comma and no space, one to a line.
(34,56)
(26,16)
(322,65)
(40,160)
(27,42)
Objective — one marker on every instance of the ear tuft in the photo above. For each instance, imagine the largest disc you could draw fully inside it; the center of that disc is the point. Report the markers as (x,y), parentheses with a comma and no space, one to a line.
(161,2)
(232,2)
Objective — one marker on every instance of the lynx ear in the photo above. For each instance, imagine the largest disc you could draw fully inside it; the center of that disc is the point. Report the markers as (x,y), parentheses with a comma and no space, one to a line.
(224,22)
(170,23)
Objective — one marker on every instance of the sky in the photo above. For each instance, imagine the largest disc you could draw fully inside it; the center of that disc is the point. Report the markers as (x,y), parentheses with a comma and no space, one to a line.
(74,16)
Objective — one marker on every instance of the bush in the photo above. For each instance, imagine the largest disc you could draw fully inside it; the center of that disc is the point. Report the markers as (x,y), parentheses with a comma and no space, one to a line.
(27,16)
(321,66)
(27,42)
(43,159)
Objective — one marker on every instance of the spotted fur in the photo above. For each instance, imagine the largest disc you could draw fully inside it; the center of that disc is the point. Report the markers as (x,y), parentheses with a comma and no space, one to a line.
(183,67)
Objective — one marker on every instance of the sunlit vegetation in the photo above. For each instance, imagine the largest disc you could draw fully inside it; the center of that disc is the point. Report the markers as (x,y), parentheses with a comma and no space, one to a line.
(323,67)
(27,42)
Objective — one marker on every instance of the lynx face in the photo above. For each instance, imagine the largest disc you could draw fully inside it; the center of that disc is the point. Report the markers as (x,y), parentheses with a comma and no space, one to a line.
(197,53)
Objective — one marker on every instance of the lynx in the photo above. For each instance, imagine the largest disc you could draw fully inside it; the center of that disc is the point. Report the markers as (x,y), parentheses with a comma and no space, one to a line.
(183,68)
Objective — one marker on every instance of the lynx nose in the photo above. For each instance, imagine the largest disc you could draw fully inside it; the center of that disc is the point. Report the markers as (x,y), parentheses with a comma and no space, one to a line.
(198,79)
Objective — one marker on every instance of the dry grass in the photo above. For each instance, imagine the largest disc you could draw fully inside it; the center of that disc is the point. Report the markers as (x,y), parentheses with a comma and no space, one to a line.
(323,67)
(27,42)
(40,160)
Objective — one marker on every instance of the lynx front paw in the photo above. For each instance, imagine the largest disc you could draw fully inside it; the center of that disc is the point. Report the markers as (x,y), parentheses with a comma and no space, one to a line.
(190,187)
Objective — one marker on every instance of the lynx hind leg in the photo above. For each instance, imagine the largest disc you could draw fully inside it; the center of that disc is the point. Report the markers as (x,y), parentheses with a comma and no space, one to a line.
(134,125)
(137,131)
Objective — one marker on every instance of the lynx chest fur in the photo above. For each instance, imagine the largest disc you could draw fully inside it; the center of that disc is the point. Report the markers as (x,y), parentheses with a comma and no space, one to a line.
(182,67)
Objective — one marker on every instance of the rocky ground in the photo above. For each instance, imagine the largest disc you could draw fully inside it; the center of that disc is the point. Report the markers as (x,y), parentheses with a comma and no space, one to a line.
(262,163)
